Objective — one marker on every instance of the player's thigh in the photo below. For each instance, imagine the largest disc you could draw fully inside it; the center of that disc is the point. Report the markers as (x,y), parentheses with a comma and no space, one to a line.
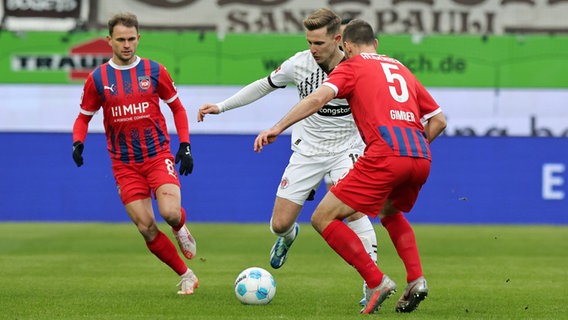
(302,175)
(160,171)
(131,184)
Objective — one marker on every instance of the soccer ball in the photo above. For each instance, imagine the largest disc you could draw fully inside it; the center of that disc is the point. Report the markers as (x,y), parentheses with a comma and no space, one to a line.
(255,286)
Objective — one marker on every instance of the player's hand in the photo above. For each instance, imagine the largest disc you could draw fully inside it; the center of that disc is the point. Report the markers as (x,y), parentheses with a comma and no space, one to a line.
(78,147)
(184,155)
(206,109)
(264,138)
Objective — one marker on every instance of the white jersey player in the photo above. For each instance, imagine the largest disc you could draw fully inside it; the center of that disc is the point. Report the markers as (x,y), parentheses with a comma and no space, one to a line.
(328,132)
(325,145)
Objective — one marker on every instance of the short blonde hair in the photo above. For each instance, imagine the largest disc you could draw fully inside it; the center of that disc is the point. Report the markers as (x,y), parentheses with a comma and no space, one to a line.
(323,17)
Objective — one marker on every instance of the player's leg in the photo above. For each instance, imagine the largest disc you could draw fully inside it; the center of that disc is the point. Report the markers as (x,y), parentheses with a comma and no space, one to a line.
(301,176)
(283,224)
(327,220)
(358,222)
(163,180)
(141,213)
(168,197)
(402,234)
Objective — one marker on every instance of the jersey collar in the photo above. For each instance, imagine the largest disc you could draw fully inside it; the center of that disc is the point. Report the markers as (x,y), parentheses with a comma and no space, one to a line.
(126,67)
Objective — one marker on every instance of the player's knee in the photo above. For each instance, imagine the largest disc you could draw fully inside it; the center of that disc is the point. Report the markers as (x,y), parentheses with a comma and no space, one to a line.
(170,213)
(148,230)
(280,226)
(317,221)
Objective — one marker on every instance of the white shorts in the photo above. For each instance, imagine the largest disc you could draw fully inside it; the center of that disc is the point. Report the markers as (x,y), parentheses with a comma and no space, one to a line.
(304,174)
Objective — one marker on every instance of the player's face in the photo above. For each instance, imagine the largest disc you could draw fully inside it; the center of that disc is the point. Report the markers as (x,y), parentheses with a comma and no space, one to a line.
(322,46)
(124,41)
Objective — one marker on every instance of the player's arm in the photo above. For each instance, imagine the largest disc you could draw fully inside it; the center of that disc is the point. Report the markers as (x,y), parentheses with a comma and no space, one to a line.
(435,126)
(246,95)
(90,104)
(80,128)
(183,154)
(180,119)
(303,109)
(168,93)
(431,114)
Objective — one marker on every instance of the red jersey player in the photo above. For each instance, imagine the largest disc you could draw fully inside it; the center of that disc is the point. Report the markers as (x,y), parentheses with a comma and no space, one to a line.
(388,103)
(128,88)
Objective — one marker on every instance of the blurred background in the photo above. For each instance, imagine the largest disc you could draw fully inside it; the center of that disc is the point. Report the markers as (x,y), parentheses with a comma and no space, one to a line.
(498,69)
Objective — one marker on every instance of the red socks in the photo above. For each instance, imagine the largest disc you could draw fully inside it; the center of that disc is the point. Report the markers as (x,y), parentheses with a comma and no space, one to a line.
(181,220)
(348,245)
(404,241)
(163,248)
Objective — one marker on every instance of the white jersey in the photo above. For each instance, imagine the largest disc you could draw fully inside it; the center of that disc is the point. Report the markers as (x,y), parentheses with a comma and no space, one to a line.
(332,129)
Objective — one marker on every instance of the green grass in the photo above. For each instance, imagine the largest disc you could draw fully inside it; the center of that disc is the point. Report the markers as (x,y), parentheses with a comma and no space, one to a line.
(104,271)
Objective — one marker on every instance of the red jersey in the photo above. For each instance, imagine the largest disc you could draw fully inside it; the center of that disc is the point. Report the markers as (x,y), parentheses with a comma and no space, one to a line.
(129,95)
(387,102)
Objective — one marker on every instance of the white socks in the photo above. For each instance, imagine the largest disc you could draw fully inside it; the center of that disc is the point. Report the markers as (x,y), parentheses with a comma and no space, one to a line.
(364,229)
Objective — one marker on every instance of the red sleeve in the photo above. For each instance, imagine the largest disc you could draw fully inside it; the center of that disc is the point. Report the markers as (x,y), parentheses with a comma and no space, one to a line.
(80,127)
(341,77)
(90,103)
(90,98)
(168,92)
(180,120)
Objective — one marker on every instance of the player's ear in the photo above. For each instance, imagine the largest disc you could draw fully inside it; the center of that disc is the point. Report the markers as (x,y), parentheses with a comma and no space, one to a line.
(337,38)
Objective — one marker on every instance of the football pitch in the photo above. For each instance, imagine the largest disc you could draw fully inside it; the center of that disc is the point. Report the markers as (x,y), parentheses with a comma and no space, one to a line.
(104,271)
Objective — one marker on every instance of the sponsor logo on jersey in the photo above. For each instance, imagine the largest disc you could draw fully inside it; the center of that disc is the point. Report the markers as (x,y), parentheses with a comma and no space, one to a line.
(129,110)
(111,88)
(334,111)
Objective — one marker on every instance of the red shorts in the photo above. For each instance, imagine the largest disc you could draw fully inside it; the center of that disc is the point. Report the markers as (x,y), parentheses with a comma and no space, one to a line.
(139,180)
(372,181)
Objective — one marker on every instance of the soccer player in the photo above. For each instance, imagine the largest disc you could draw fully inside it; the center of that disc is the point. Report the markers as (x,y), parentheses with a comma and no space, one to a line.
(325,145)
(387,101)
(128,89)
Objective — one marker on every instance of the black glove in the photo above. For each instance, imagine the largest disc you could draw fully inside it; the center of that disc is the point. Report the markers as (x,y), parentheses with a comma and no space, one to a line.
(184,155)
(78,147)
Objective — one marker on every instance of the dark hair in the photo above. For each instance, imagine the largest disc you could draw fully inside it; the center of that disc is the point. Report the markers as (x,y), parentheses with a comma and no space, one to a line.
(359,32)
(345,21)
(323,17)
(126,19)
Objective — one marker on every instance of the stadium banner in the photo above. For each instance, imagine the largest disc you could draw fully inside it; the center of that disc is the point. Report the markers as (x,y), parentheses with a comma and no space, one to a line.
(470,112)
(61,15)
(473,181)
(236,59)
(482,17)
